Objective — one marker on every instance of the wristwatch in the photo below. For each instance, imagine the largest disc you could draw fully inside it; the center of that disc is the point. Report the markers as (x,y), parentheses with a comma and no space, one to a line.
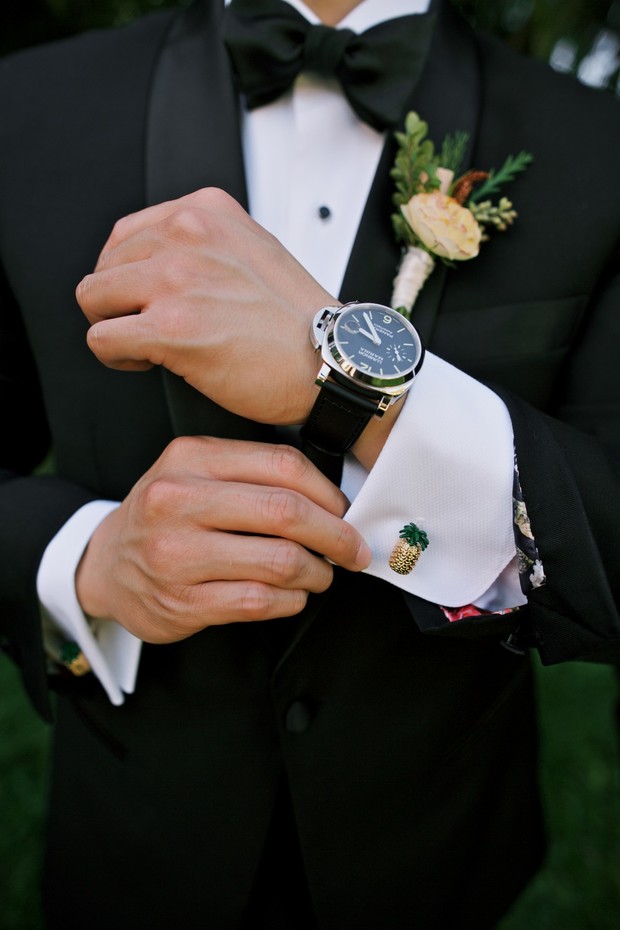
(371,354)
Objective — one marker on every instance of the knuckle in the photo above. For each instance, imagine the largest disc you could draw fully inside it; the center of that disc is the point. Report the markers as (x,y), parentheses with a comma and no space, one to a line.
(175,620)
(95,340)
(213,198)
(255,602)
(166,606)
(326,580)
(186,223)
(297,601)
(159,498)
(287,562)
(83,289)
(180,450)
(118,231)
(283,510)
(290,463)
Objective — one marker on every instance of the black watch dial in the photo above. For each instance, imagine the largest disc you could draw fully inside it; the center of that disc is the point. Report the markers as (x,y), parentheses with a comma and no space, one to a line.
(378,342)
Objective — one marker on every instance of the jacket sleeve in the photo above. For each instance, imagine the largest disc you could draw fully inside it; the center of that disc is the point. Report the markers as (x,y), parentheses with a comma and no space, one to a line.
(569,466)
(33,505)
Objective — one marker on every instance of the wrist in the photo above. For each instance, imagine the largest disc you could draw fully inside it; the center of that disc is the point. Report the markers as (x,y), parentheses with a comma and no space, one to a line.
(90,576)
(370,444)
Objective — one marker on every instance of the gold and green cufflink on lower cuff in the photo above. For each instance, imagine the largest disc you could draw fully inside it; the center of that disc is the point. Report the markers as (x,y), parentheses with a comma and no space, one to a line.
(74,659)
(405,554)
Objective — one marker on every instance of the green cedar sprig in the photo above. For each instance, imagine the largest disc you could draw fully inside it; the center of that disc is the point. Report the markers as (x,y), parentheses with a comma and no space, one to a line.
(453,151)
(511,167)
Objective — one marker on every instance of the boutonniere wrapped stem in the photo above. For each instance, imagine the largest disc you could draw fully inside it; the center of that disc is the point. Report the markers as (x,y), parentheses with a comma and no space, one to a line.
(442,214)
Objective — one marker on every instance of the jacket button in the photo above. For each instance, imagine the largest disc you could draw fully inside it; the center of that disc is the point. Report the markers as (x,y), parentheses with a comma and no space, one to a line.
(298,717)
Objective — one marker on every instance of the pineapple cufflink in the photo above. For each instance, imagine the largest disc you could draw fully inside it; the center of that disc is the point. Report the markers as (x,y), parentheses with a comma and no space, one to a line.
(405,554)
(74,659)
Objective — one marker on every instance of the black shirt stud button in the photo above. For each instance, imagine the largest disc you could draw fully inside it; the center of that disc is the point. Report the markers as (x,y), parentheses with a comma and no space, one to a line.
(298,717)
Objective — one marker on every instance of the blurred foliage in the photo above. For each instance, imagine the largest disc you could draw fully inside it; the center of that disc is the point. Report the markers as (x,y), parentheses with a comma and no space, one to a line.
(577,36)
(534,27)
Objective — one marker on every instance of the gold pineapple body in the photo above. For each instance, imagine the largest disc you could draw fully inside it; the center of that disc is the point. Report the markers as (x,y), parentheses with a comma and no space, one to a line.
(404,557)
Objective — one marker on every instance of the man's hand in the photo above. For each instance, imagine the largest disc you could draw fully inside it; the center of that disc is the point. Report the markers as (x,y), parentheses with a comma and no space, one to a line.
(197,286)
(217,531)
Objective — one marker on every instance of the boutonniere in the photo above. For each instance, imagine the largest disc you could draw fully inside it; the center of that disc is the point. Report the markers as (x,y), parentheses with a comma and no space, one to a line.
(442,214)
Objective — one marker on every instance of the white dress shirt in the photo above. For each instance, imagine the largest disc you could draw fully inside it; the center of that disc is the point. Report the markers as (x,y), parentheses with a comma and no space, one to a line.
(448,463)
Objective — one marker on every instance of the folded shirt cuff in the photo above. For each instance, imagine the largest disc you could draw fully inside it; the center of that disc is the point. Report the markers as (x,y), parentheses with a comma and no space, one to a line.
(112,652)
(448,467)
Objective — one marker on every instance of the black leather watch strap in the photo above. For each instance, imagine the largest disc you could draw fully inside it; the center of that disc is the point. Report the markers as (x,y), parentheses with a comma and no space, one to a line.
(335,423)
(338,417)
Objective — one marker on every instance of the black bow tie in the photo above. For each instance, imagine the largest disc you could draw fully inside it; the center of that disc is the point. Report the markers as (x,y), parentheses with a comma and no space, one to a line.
(270,43)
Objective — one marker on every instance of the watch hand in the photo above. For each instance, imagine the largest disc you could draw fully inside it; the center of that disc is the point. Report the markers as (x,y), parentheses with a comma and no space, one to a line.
(368,335)
(375,335)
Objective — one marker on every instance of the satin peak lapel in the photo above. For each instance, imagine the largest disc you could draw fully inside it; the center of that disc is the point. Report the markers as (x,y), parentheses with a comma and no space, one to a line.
(448,97)
(193,141)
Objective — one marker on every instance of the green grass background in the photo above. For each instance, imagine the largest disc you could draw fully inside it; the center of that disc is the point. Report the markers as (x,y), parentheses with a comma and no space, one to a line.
(578,889)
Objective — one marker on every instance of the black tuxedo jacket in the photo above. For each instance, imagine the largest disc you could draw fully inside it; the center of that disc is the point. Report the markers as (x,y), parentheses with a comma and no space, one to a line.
(409,746)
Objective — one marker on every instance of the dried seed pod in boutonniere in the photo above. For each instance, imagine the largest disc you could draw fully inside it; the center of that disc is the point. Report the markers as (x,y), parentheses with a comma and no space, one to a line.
(442,214)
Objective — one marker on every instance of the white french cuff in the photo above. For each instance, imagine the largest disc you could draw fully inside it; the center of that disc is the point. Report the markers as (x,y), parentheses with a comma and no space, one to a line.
(113,652)
(447,466)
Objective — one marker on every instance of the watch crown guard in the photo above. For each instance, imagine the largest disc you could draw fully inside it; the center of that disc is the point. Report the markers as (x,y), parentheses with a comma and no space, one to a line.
(319,325)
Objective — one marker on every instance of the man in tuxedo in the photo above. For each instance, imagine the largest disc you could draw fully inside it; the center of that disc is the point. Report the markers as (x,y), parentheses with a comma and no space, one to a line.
(274,728)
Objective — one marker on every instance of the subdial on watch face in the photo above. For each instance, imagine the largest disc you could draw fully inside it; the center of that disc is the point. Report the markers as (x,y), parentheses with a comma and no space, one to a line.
(398,355)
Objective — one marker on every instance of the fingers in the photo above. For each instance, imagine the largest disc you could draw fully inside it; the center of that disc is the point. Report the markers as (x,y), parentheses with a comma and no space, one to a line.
(286,514)
(251,488)
(158,618)
(125,343)
(209,200)
(115,291)
(276,562)
(243,602)
(256,463)
(218,531)
(215,603)
(184,221)
(243,579)
(130,227)
(155,253)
